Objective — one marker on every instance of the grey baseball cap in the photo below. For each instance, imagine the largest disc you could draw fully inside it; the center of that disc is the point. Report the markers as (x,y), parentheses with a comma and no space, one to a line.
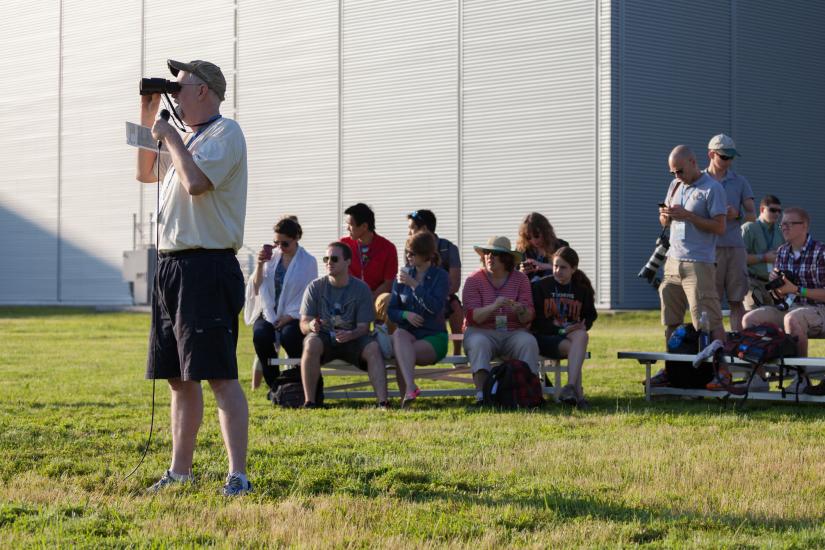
(208,72)
(723,143)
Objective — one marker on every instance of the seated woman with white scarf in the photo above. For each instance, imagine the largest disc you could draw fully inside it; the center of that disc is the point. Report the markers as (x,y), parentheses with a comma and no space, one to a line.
(273,296)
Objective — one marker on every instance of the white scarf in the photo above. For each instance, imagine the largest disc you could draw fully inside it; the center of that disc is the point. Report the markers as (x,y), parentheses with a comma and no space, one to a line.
(302,270)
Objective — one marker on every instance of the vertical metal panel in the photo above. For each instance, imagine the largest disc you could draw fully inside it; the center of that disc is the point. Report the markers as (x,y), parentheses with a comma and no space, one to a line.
(606,23)
(98,186)
(400,111)
(288,108)
(674,88)
(29,38)
(529,121)
(779,110)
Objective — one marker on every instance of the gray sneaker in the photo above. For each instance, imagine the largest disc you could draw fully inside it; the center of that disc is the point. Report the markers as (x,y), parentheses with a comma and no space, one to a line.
(234,486)
(568,395)
(165,481)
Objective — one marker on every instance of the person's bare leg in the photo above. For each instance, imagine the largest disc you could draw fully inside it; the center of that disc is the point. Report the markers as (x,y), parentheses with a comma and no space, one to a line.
(456,325)
(574,347)
(737,312)
(311,366)
(376,370)
(403,345)
(186,418)
(233,414)
(795,326)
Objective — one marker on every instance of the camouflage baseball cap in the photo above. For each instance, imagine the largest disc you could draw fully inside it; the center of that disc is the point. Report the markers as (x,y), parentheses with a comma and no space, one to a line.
(208,72)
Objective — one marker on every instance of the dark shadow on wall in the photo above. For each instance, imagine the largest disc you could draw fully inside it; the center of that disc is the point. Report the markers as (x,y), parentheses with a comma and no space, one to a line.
(36,269)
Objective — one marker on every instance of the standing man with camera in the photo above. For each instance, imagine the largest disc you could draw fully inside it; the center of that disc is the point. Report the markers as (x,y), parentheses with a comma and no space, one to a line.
(695,210)
(731,258)
(199,288)
(801,261)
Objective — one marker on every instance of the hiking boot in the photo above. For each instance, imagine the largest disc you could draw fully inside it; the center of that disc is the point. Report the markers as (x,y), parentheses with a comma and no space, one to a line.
(721,381)
(819,389)
(568,395)
(659,380)
(235,485)
(166,480)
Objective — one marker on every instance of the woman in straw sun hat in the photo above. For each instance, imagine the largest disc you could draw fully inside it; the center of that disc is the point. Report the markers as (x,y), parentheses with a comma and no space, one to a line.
(498,309)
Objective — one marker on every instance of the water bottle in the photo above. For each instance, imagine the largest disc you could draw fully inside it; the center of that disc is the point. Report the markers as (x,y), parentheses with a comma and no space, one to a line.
(675,340)
(704,330)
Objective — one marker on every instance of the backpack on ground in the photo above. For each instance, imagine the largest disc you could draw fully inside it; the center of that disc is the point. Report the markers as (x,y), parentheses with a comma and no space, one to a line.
(288,391)
(512,385)
(682,374)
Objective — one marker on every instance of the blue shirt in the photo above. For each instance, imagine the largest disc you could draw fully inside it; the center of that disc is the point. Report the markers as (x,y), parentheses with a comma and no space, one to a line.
(737,191)
(426,300)
(706,198)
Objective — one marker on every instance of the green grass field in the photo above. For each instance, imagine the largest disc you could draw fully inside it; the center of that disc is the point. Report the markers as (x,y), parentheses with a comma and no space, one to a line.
(74,416)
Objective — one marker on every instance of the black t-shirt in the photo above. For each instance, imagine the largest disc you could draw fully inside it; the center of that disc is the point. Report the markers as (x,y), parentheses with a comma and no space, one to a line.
(559,305)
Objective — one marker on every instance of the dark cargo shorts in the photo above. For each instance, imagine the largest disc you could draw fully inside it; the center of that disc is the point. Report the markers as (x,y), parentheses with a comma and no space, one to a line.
(197,297)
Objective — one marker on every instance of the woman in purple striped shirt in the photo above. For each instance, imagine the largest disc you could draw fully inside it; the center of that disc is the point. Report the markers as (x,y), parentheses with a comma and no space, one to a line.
(498,309)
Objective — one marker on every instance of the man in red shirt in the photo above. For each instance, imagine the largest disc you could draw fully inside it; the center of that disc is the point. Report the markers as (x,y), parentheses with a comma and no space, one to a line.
(374,258)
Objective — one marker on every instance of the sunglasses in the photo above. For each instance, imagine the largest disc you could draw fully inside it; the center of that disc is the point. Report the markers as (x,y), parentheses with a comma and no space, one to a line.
(787,225)
(282,244)
(495,253)
(723,157)
(677,173)
(330,259)
(409,253)
(773,210)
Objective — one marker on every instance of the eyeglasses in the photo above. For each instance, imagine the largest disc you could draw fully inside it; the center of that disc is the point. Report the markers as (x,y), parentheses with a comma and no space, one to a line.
(330,259)
(676,173)
(773,210)
(723,157)
(787,225)
(282,244)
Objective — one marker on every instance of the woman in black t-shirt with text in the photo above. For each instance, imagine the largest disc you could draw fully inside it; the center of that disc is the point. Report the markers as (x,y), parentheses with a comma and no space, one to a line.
(565,311)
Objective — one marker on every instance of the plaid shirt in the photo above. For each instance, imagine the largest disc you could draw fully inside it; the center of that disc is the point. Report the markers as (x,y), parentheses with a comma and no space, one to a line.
(809,268)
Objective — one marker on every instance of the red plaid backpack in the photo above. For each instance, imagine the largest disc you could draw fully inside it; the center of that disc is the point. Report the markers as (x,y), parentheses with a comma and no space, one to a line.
(512,385)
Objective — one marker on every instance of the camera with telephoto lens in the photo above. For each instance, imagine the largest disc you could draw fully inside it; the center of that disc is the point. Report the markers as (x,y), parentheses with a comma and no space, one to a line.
(149,86)
(652,266)
(782,302)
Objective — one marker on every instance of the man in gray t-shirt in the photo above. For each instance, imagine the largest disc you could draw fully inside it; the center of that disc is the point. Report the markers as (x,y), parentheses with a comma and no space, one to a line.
(336,313)
(694,208)
(731,257)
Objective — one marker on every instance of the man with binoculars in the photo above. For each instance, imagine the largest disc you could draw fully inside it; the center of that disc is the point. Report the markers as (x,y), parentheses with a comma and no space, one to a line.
(803,259)
(199,288)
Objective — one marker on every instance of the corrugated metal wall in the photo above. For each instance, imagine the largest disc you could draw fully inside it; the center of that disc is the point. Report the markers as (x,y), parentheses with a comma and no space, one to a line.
(29,109)
(529,132)
(687,71)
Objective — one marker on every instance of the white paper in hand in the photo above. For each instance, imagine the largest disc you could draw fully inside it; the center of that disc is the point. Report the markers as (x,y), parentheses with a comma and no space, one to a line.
(141,136)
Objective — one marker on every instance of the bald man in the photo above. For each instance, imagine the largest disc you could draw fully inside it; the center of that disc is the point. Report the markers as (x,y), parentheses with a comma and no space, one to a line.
(695,208)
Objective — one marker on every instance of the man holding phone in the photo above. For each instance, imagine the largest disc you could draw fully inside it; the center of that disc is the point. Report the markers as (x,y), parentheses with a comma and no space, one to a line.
(695,209)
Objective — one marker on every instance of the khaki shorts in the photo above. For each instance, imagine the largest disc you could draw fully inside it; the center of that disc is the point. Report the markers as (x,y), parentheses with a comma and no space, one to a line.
(812,318)
(732,273)
(689,285)
(758,295)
